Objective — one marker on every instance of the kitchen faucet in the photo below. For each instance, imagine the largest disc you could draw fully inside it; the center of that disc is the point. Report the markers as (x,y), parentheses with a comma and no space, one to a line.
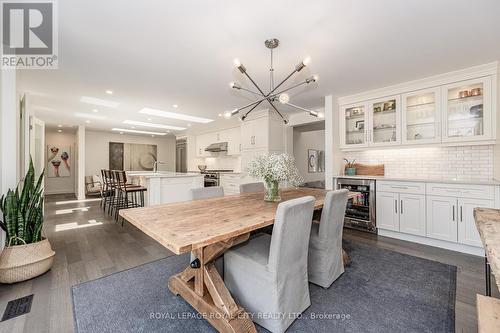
(155,165)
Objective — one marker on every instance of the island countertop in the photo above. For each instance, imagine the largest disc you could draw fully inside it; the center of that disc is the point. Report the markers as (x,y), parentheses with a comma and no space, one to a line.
(162,174)
(488,225)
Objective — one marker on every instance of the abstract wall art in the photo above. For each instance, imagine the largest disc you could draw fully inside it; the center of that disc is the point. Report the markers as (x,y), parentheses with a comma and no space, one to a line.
(58,161)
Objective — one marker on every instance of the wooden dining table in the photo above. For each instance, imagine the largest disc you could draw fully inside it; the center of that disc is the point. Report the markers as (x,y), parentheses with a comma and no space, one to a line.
(207,228)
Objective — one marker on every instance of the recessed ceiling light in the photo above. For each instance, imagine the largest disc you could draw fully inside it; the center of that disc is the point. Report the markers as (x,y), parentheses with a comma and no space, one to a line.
(136,131)
(175,106)
(149,119)
(109,92)
(220,114)
(98,101)
(188,125)
(87,121)
(121,132)
(174,115)
(152,135)
(95,110)
(59,131)
(132,126)
(144,124)
(59,126)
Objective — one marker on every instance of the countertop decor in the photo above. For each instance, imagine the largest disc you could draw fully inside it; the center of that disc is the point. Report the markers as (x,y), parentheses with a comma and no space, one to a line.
(273,169)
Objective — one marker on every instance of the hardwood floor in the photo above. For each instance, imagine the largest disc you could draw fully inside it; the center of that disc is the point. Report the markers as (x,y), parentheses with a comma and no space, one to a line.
(90,245)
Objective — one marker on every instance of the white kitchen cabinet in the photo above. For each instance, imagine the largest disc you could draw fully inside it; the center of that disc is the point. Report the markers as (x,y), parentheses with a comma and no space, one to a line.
(467,231)
(387,211)
(353,125)
(255,133)
(233,138)
(412,214)
(421,116)
(442,218)
(467,112)
(230,182)
(384,118)
(401,212)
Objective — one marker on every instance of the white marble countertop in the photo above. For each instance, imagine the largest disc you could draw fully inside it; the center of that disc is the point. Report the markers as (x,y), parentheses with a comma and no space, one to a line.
(488,225)
(425,180)
(162,174)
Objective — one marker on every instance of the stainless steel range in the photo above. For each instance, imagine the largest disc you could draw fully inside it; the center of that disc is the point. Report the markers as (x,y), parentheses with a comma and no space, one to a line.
(212,177)
(360,211)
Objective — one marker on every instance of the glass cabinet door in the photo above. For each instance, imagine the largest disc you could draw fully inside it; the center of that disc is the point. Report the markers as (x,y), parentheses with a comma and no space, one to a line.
(468,110)
(385,121)
(421,118)
(354,125)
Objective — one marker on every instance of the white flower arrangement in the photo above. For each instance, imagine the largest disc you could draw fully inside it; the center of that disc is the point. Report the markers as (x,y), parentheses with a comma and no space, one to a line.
(275,168)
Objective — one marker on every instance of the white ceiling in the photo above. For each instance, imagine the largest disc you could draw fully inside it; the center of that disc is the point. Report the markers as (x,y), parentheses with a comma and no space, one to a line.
(159,53)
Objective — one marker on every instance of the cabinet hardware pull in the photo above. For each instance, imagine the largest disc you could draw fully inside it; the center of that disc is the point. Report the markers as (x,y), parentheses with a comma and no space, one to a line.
(453,212)
(401,206)
(396,206)
(461,217)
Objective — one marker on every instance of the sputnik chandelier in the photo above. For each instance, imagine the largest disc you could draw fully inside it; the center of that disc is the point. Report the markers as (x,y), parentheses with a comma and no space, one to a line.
(274,95)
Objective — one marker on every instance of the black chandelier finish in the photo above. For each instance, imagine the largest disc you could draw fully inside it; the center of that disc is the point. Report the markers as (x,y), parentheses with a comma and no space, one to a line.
(273,95)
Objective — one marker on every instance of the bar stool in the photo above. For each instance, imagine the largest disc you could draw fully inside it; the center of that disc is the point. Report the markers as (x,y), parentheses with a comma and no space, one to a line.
(110,191)
(128,195)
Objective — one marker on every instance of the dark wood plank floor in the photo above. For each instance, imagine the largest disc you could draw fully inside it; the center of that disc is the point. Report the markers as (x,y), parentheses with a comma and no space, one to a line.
(89,245)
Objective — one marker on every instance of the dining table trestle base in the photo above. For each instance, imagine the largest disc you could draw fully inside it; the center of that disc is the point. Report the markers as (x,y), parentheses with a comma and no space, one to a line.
(204,289)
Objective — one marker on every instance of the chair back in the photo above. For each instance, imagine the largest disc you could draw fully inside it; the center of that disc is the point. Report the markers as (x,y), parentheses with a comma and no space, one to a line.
(252,188)
(290,238)
(206,192)
(332,217)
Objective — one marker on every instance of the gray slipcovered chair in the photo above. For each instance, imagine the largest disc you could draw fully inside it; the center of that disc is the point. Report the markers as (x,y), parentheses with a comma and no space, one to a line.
(252,188)
(207,192)
(268,274)
(203,193)
(325,263)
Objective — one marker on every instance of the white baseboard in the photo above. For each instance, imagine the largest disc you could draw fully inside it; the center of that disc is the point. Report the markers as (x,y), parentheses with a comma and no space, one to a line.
(476,251)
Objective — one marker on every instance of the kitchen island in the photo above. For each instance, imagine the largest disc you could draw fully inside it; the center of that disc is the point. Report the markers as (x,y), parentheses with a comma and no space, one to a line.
(166,187)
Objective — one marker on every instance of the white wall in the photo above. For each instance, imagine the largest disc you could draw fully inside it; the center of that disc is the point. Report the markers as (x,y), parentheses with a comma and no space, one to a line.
(61,184)
(302,141)
(9,135)
(97,149)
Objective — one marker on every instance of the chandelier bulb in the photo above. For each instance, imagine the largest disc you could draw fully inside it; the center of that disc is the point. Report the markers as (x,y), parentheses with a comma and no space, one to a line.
(306,61)
(237,62)
(284,98)
(227,114)
(314,113)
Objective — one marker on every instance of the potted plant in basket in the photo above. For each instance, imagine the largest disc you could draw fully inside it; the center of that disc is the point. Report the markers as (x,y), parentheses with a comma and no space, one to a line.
(273,169)
(27,254)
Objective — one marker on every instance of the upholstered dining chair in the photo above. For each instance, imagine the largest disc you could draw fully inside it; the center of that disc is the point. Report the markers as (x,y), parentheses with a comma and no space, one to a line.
(207,192)
(325,262)
(268,274)
(252,188)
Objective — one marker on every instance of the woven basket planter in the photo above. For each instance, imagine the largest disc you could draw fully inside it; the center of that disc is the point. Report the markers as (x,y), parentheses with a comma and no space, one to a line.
(23,262)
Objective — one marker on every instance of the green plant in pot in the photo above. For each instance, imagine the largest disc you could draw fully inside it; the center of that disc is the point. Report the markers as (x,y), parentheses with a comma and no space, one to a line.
(273,169)
(27,253)
(350,168)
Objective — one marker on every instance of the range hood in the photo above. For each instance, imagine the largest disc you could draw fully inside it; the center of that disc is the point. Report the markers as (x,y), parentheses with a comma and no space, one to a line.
(217,147)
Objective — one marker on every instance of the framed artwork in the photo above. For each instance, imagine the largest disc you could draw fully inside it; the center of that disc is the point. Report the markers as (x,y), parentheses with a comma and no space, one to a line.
(312,160)
(58,161)
(131,156)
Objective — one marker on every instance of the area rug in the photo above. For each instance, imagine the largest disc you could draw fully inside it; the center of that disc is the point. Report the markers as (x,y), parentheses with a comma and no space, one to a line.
(381,291)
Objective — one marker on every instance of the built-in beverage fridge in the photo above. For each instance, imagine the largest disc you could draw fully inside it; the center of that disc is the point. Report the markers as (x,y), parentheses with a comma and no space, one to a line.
(360,211)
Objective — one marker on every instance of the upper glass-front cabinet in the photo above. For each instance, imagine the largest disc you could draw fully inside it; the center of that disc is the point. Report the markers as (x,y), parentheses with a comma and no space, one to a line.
(385,121)
(421,117)
(467,110)
(354,125)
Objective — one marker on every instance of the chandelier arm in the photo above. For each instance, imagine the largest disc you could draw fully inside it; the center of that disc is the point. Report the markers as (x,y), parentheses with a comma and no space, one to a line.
(250,91)
(311,112)
(253,108)
(250,104)
(284,80)
(289,88)
(275,109)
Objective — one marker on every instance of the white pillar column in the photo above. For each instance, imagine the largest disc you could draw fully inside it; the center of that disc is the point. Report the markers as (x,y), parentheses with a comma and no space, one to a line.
(80,163)
(333,155)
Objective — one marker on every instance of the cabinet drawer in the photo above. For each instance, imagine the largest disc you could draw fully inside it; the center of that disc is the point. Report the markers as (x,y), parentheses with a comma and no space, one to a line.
(461,190)
(401,187)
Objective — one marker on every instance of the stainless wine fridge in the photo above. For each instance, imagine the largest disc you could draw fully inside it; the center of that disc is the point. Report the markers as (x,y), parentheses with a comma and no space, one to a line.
(360,211)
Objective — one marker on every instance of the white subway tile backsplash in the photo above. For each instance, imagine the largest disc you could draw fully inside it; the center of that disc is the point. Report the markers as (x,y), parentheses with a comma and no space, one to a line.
(462,162)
